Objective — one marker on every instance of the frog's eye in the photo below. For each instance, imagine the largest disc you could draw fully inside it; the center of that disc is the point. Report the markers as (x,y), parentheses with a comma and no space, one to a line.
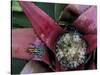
(36,50)
(32,50)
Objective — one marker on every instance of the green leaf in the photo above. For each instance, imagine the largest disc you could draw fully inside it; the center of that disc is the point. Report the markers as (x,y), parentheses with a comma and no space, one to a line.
(16,6)
(17,65)
(58,9)
(47,7)
(95,54)
(88,58)
(20,20)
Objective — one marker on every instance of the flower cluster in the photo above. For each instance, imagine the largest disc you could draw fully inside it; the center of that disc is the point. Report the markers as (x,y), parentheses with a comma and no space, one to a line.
(71,50)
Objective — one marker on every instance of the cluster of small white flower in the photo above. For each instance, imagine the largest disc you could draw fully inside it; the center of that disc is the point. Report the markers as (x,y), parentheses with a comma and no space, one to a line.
(71,50)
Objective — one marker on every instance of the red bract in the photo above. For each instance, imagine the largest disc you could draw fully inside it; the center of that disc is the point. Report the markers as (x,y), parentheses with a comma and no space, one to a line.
(48,30)
(92,65)
(20,43)
(77,9)
(91,40)
(72,11)
(86,23)
(45,27)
